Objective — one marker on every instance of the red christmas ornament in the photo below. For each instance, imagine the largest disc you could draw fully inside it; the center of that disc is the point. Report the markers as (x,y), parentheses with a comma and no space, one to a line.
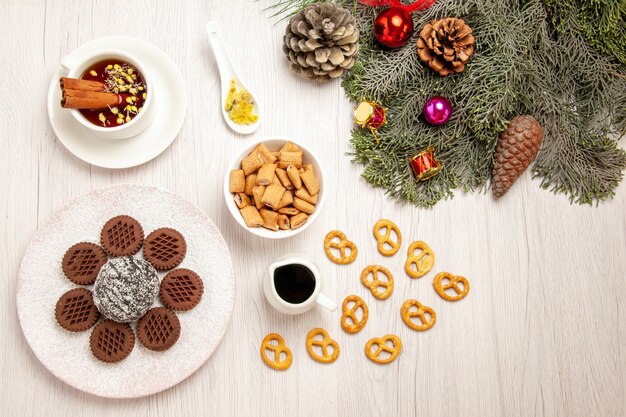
(425,165)
(437,110)
(393,27)
(371,115)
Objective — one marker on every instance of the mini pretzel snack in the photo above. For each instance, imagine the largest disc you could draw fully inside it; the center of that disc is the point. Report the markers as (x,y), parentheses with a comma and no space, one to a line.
(275,181)
(323,344)
(413,308)
(423,261)
(391,351)
(386,245)
(446,281)
(278,349)
(349,320)
(375,284)
(337,240)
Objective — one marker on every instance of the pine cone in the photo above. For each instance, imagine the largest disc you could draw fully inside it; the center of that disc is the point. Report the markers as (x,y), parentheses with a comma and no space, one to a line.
(446,45)
(321,41)
(517,148)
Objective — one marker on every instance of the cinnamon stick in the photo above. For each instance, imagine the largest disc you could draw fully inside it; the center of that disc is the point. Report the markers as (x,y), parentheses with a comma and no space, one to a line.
(79,84)
(89,100)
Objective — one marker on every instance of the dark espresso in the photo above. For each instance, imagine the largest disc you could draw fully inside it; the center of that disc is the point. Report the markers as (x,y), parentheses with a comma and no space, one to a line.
(294,283)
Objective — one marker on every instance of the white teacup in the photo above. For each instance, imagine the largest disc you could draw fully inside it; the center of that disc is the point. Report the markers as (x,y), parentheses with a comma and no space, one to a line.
(302,292)
(76,67)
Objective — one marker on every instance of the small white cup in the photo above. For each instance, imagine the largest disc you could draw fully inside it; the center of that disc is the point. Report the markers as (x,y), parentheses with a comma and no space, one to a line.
(76,67)
(315,298)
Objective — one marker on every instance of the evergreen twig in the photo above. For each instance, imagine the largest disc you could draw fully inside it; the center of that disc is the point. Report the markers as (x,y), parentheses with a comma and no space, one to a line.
(534,57)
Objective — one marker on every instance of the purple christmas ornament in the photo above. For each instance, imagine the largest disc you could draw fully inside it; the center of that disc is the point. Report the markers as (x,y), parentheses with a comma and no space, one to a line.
(437,110)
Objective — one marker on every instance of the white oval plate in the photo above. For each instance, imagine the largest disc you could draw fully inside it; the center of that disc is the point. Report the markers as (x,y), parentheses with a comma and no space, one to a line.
(41,282)
(170,97)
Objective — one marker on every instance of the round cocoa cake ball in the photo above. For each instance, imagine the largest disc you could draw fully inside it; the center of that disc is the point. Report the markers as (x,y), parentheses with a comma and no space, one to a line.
(125,289)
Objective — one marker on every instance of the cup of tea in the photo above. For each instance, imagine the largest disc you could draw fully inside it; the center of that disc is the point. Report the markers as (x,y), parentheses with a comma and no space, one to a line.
(293,285)
(78,66)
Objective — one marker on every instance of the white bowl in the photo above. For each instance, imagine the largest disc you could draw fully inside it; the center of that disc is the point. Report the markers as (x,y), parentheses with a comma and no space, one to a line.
(274,144)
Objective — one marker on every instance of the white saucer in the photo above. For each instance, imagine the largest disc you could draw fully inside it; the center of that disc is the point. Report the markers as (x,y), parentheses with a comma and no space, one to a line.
(170,95)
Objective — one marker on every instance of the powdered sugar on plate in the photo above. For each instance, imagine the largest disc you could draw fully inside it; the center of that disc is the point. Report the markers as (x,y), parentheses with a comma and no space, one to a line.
(41,282)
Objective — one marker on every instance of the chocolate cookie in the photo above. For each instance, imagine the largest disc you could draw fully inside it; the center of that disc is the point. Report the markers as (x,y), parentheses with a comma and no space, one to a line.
(75,311)
(181,289)
(111,342)
(125,289)
(122,236)
(159,329)
(82,262)
(165,248)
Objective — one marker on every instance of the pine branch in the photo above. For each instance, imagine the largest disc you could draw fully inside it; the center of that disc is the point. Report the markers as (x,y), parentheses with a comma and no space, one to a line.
(533,57)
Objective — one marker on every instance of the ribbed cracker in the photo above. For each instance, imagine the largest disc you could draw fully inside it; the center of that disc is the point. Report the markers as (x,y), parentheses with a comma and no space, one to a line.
(111,342)
(122,236)
(165,248)
(75,311)
(158,329)
(82,262)
(181,289)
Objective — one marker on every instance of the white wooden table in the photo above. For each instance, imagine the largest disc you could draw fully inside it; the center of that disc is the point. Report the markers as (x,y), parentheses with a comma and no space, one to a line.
(543,331)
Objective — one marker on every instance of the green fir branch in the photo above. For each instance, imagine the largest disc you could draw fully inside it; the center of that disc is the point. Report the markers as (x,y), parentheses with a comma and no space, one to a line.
(534,57)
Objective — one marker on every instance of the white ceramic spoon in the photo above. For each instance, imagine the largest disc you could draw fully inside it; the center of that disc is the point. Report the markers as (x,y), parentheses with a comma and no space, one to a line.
(227,73)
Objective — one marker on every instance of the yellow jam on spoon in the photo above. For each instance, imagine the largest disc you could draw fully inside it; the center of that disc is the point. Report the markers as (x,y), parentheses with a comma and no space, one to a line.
(240,105)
